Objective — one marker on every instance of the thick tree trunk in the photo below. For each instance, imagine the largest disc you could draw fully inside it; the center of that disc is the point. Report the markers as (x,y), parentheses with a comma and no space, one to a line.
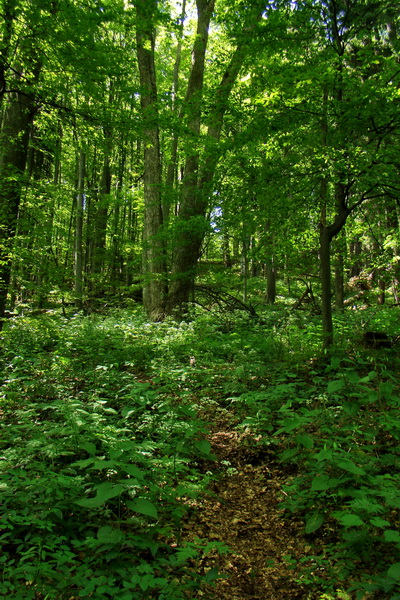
(198,176)
(191,224)
(154,257)
(270,273)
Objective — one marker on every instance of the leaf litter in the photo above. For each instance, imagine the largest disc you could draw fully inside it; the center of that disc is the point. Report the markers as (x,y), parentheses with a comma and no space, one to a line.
(243,511)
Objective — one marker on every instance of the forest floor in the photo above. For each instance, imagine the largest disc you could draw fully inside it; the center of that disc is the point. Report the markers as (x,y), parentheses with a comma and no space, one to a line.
(243,511)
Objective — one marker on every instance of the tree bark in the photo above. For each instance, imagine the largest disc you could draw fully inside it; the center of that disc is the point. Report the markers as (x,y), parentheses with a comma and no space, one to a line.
(14,140)
(154,255)
(198,176)
(101,218)
(172,165)
(79,231)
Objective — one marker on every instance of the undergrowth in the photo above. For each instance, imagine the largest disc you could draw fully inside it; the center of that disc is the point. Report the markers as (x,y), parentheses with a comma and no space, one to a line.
(102,448)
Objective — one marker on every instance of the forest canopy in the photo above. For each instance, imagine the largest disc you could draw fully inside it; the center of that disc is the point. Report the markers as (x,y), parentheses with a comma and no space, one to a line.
(150,146)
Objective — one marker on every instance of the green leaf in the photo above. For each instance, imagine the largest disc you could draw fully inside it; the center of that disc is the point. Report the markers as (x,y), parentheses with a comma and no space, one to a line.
(203,446)
(89,447)
(350,467)
(104,492)
(99,465)
(133,471)
(314,522)
(321,483)
(335,386)
(378,522)
(128,412)
(394,571)
(83,464)
(144,507)
(304,440)
(391,535)
(351,408)
(349,520)
(107,535)
(289,453)
(371,375)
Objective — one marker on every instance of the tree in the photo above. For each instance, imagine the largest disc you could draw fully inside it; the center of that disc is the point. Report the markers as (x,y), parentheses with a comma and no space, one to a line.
(154,260)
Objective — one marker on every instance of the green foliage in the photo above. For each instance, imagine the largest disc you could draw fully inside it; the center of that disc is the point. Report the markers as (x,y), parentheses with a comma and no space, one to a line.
(97,465)
(337,424)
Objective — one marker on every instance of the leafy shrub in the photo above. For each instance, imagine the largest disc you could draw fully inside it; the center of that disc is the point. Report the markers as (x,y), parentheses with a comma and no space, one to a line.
(97,465)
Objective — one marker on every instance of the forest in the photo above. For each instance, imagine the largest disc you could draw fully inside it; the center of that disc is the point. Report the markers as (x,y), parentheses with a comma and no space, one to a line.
(199,299)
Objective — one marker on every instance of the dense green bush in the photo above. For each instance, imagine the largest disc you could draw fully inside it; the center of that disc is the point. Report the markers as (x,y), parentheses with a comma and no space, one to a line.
(97,465)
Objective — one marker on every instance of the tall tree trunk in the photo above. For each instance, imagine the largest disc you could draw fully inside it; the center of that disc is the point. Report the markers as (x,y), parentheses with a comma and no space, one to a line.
(191,217)
(325,239)
(79,230)
(198,175)
(8,15)
(14,140)
(172,165)
(340,247)
(101,218)
(154,256)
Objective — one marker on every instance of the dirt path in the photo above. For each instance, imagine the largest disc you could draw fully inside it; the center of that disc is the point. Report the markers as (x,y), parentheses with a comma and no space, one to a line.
(245,515)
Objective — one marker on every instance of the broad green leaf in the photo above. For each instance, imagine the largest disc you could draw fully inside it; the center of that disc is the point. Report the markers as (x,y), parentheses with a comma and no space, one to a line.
(83,464)
(335,386)
(128,412)
(289,453)
(324,482)
(134,471)
(107,535)
(89,447)
(394,571)
(144,507)
(105,491)
(90,502)
(212,575)
(350,467)
(203,446)
(349,520)
(290,424)
(391,535)
(99,465)
(378,522)
(314,522)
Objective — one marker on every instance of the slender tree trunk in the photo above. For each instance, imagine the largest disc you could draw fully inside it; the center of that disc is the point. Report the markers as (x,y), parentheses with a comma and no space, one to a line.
(79,231)
(245,263)
(154,256)
(101,218)
(8,16)
(270,267)
(326,286)
(340,247)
